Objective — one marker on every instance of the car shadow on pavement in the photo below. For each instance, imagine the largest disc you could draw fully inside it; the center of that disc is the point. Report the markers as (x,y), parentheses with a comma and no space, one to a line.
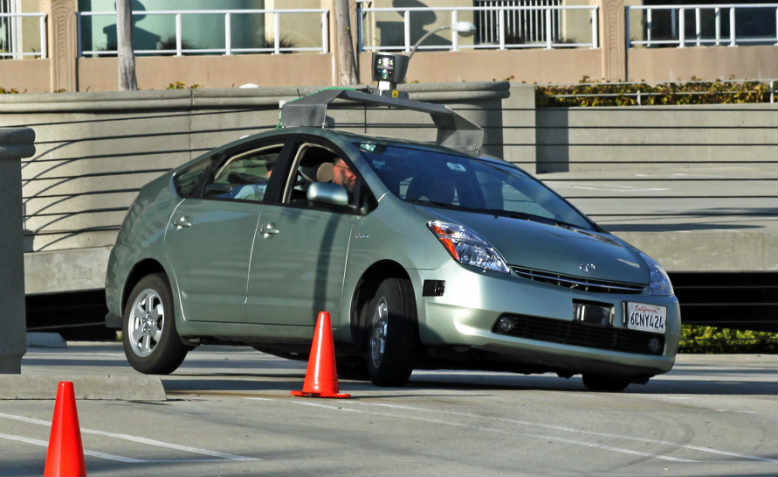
(452,381)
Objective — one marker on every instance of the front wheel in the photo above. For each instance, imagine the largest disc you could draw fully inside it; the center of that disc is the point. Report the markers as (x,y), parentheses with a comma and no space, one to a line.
(597,382)
(391,333)
(149,335)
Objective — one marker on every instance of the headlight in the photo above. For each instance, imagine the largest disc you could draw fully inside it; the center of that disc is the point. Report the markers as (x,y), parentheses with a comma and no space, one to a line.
(467,248)
(658,282)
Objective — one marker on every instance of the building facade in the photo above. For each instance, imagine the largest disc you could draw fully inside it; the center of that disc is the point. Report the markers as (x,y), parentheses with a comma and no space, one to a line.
(69,45)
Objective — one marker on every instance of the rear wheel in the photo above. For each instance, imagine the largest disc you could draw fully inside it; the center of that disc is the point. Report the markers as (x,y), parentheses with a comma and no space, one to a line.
(391,333)
(151,342)
(598,382)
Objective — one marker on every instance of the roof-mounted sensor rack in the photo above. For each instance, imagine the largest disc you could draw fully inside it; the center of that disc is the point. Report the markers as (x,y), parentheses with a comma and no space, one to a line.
(454,131)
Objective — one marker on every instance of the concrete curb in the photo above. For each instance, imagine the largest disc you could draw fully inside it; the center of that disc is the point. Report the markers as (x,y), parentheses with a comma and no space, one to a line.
(120,388)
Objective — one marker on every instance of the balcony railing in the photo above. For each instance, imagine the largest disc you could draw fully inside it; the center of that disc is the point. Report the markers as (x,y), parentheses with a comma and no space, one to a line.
(11,35)
(512,24)
(180,49)
(716,24)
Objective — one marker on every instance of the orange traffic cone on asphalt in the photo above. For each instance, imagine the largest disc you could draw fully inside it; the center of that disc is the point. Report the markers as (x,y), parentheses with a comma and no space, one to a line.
(321,378)
(65,457)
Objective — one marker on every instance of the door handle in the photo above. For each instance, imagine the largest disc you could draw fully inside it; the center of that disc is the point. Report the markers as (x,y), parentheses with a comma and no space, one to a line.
(270,229)
(183,222)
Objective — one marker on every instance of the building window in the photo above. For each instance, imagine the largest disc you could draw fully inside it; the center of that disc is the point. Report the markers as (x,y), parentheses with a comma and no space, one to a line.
(521,26)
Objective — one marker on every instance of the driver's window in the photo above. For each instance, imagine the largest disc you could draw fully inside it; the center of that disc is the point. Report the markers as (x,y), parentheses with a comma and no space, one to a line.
(244,176)
(316,163)
(312,163)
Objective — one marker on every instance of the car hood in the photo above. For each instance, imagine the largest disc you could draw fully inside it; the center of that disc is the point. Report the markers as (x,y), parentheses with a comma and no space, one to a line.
(566,250)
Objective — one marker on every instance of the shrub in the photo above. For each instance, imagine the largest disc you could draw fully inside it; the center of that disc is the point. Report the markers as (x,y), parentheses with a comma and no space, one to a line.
(711,339)
(182,85)
(626,94)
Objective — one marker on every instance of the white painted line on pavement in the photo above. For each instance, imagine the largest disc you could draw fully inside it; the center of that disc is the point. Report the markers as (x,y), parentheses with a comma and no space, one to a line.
(501,431)
(102,455)
(138,439)
(577,431)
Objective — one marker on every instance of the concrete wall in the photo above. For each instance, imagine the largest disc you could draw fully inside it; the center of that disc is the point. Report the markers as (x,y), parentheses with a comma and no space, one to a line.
(708,63)
(531,66)
(695,186)
(25,76)
(156,73)
(302,30)
(386,28)
(541,66)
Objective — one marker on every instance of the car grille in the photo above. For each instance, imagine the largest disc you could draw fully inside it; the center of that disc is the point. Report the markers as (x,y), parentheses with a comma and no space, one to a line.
(577,283)
(578,334)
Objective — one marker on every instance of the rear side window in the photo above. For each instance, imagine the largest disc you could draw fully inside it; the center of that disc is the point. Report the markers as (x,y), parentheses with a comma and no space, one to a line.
(244,176)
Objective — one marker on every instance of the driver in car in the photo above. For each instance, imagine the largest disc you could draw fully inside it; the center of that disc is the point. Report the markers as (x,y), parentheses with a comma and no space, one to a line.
(343,175)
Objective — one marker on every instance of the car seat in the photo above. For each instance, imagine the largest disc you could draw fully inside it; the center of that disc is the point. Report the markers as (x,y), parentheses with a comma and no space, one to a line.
(325,172)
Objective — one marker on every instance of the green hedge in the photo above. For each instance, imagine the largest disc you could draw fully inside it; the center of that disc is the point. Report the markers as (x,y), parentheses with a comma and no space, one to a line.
(711,339)
(624,94)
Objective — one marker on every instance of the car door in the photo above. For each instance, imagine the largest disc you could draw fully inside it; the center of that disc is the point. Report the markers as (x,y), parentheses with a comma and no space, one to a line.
(210,236)
(300,253)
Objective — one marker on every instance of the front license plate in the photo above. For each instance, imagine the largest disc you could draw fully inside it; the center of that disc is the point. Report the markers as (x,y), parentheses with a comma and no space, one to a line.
(645,317)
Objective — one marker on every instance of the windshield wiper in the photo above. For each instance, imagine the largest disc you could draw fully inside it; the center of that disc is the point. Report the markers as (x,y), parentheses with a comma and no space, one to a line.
(435,204)
(523,215)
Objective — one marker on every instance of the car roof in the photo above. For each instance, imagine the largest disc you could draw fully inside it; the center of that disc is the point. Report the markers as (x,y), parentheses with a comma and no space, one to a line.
(344,139)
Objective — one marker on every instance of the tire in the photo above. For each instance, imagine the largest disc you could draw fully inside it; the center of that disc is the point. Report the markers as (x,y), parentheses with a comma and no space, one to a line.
(597,382)
(392,333)
(151,342)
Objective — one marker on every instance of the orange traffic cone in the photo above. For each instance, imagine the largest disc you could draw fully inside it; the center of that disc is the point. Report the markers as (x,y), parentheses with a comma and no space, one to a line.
(66,454)
(321,378)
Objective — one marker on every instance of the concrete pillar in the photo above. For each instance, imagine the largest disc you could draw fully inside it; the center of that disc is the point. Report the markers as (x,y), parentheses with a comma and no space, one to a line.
(612,40)
(63,44)
(15,143)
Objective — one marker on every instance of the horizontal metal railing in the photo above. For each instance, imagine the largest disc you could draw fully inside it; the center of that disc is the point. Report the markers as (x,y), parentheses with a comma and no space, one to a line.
(713,24)
(228,48)
(15,48)
(502,43)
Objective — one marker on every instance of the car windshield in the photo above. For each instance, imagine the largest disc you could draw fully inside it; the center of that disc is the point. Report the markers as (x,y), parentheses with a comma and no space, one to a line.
(458,182)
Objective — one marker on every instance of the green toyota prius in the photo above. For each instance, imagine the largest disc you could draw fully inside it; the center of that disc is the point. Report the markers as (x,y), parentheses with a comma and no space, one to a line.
(426,256)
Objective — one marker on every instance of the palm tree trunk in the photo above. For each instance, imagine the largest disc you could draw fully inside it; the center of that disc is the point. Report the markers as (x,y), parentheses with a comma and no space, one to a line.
(346,65)
(127,78)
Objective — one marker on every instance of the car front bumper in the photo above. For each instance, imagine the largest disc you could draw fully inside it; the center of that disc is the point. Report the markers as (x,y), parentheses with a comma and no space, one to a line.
(466,313)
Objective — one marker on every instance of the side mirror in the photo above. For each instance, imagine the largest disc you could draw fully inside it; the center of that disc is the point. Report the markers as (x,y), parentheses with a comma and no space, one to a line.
(327,193)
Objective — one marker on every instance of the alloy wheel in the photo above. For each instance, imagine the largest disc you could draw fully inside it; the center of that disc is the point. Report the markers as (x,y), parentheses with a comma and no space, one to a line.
(378,332)
(146,321)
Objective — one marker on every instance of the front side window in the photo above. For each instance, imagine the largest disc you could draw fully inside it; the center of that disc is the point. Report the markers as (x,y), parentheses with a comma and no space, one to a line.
(316,163)
(452,181)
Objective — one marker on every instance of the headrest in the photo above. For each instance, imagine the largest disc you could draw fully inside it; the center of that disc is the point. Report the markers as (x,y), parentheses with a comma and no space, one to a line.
(325,173)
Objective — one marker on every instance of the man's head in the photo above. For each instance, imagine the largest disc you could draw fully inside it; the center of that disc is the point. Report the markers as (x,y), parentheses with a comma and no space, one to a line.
(343,175)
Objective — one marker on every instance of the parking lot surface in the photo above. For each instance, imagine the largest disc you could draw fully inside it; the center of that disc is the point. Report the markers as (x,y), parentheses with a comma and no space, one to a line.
(228,412)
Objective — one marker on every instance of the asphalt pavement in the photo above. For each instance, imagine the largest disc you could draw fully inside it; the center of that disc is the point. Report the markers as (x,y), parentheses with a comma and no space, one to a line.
(227,412)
